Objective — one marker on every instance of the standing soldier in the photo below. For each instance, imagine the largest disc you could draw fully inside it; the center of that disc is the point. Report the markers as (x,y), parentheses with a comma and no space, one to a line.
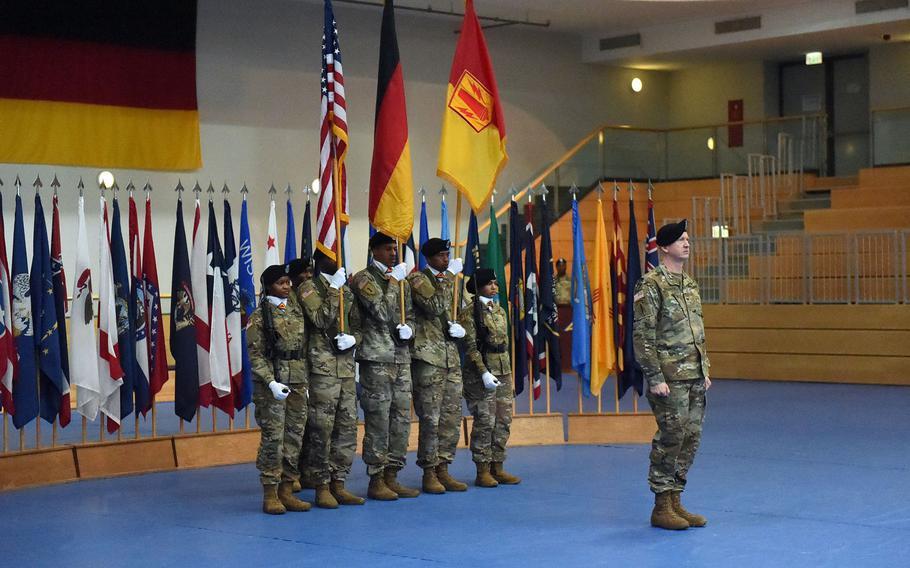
(301,270)
(669,336)
(276,339)
(488,379)
(436,367)
(385,368)
(332,418)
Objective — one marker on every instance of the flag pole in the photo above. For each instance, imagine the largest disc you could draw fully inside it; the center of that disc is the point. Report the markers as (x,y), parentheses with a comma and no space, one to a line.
(632,199)
(547,375)
(5,432)
(339,257)
(456,293)
(400,284)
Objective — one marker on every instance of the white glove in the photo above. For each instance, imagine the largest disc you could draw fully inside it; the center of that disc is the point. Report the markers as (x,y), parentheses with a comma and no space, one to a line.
(456,265)
(490,381)
(399,272)
(345,341)
(455,330)
(279,391)
(338,279)
(404,330)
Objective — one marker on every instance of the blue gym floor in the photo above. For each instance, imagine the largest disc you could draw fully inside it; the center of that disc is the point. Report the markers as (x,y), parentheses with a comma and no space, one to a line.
(788,474)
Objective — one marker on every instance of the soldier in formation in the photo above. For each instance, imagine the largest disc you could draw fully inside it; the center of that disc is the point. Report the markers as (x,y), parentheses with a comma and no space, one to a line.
(332,415)
(488,379)
(669,338)
(277,344)
(436,366)
(384,356)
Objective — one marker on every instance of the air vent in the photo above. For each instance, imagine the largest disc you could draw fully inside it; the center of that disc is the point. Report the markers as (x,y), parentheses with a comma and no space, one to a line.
(619,42)
(867,6)
(738,25)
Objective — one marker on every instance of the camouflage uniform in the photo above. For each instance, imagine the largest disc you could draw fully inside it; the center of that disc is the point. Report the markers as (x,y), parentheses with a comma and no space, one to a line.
(563,286)
(385,370)
(492,409)
(436,369)
(332,421)
(282,421)
(669,337)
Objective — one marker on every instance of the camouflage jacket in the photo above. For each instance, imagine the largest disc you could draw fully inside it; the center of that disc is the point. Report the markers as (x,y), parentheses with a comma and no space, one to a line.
(432,307)
(668,329)
(281,354)
(486,349)
(377,299)
(320,304)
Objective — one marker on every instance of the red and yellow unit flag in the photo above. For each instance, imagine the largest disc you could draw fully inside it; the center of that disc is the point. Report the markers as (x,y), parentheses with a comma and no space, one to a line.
(472,150)
(104,83)
(391,187)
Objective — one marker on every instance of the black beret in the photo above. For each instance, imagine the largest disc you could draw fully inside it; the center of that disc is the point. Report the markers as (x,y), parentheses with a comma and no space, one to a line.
(380,239)
(481,278)
(434,246)
(271,274)
(670,233)
(298,266)
(318,255)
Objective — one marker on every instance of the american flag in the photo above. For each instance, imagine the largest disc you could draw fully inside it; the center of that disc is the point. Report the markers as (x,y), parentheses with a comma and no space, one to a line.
(651,258)
(333,138)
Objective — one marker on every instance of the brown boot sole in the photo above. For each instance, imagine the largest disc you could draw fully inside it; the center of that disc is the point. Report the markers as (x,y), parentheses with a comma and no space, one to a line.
(458,488)
(352,500)
(274,511)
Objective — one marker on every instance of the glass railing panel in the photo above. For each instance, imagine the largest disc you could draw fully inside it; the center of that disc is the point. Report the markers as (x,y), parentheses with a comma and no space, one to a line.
(890,139)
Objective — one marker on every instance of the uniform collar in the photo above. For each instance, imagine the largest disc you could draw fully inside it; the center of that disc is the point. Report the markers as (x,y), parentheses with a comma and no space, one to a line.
(280,303)
(674,278)
(485,301)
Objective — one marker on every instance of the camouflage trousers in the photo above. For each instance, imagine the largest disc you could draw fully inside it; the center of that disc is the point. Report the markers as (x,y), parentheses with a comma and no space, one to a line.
(679,421)
(437,401)
(282,424)
(492,412)
(331,434)
(386,401)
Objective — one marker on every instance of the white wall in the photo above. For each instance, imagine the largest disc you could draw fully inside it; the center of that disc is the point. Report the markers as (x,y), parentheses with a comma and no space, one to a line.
(258,89)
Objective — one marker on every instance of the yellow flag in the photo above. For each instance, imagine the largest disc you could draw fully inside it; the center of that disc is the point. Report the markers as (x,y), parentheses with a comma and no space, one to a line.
(603,347)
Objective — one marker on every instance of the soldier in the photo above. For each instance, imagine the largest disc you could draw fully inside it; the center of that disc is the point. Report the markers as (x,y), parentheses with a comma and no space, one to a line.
(276,339)
(669,336)
(332,419)
(300,270)
(385,368)
(488,379)
(436,367)
(563,284)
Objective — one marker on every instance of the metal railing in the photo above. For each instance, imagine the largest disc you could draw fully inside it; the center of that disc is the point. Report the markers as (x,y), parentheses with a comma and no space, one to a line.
(797,268)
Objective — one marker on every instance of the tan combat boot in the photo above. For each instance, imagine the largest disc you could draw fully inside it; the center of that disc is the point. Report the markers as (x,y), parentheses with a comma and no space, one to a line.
(663,515)
(270,503)
(449,482)
(431,483)
(691,518)
(503,476)
(289,500)
(297,487)
(343,496)
(484,479)
(379,491)
(324,497)
(390,476)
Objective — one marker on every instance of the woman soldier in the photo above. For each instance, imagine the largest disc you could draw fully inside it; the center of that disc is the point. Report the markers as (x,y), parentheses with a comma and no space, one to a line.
(277,342)
(488,379)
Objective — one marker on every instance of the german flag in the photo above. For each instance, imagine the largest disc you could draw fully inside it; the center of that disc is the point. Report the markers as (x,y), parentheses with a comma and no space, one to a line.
(391,188)
(102,83)
(472,149)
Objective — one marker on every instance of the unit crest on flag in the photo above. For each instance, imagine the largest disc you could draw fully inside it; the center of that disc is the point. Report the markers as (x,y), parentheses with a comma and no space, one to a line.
(473,101)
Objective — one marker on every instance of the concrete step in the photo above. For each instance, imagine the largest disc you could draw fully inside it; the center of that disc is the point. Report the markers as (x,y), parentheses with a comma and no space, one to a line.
(805,203)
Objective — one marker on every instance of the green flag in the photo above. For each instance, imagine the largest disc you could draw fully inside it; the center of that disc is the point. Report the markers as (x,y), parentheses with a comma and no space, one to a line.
(497,263)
